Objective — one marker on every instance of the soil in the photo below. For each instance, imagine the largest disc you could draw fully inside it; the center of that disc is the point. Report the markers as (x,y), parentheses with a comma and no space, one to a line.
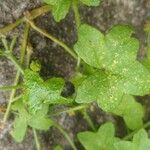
(56,62)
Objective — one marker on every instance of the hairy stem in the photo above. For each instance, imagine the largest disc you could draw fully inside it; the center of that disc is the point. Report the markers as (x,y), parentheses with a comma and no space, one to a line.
(65,134)
(15,62)
(71,110)
(7,88)
(12,95)
(78,22)
(88,119)
(76,13)
(129,136)
(38,145)
(49,36)
(34,14)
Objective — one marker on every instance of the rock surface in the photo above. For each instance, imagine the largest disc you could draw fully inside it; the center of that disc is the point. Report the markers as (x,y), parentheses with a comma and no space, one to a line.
(56,62)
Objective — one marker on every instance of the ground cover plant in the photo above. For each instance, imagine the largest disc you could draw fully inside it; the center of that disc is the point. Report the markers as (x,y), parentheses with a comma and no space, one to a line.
(111,76)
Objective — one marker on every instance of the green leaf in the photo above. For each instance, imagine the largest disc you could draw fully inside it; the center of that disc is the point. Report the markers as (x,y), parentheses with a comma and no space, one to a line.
(101,87)
(19,130)
(115,52)
(146,63)
(131,111)
(37,92)
(58,148)
(90,45)
(140,142)
(35,66)
(110,51)
(103,139)
(60,8)
(40,123)
(125,145)
(135,80)
(91,2)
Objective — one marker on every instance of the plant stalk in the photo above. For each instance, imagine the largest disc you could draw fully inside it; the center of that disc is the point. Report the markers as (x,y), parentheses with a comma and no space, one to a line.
(70,110)
(34,14)
(15,62)
(7,88)
(49,36)
(88,119)
(12,95)
(76,13)
(65,134)
(129,136)
(38,145)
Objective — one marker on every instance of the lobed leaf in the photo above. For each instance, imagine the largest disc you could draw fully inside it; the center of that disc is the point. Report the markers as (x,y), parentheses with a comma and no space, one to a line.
(140,142)
(103,139)
(114,52)
(37,92)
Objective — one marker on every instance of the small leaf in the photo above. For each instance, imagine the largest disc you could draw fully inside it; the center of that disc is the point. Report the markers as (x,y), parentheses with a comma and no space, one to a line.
(58,148)
(38,92)
(101,140)
(91,2)
(40,123)
(35,66)
(19,130)
(60,8)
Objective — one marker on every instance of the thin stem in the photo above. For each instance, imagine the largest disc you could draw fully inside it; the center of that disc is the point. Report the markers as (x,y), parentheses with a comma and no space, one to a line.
(76,13)
(13,42)
(12,95)
(5,43)
(28,55)
(15,62)
(71,110)
(129,136)
(17,98)
(7,88)
(88,119)
(49,36)
(25,41)
(34,14)
(78,22)
(38,145)
(65,134)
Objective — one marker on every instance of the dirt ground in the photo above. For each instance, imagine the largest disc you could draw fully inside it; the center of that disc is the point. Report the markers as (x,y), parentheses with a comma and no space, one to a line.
(56,62)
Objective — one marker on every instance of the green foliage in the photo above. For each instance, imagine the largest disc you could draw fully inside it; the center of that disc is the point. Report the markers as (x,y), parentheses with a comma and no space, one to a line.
(60,8)
(115,53)
(131,111)
(58,148)
(140,142)
(35,66)
(39,120)
(103,139)
(102,87)
(37,92)
(20,127)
